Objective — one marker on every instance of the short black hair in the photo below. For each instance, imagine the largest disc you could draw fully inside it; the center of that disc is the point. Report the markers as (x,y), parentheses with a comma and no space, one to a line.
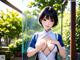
(49,11)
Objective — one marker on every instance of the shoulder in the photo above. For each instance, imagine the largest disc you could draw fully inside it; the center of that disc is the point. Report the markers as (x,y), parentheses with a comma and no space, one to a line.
(33,40)
(35,34)
(38,33)
(59,38)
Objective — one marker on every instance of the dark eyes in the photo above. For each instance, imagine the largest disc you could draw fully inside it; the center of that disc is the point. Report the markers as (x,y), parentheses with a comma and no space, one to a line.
(44,19)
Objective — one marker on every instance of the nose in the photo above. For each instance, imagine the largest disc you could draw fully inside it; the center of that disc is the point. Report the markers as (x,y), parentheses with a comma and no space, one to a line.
(47,22)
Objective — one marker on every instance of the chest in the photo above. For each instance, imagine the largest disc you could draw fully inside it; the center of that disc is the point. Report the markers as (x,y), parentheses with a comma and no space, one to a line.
(48,47)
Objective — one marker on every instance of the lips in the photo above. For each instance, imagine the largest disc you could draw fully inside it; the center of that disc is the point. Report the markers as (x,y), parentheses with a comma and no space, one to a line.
(47,26)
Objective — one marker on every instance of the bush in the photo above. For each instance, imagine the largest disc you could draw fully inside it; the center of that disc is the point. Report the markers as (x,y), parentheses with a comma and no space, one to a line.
(16,47)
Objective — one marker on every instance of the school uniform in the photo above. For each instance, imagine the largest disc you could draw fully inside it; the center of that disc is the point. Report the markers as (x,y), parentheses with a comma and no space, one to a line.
(53,54)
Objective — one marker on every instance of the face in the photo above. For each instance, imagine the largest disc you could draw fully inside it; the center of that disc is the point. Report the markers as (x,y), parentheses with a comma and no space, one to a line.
(47,23)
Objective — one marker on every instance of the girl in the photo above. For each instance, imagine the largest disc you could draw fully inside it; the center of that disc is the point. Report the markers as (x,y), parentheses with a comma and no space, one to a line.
(46,43)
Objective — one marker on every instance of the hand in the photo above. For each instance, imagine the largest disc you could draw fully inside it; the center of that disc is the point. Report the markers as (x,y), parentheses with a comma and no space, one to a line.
(50,40)
(55,42)
(50,45)
(40,45)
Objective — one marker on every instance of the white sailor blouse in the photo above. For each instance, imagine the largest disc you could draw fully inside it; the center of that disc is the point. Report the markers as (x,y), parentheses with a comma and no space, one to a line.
(40,55)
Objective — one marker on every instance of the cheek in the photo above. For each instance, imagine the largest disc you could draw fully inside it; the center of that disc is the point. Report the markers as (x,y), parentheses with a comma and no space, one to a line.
(47,23)
(51,23)
(43,23)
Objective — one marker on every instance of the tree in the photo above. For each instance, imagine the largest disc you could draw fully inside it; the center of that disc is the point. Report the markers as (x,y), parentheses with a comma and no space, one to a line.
(66,28)
(40,4)
(30,25)
(78,29)
(10,25)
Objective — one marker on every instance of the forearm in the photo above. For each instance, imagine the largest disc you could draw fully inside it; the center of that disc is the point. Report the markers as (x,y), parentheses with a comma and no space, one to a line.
(31,52)
(62,51)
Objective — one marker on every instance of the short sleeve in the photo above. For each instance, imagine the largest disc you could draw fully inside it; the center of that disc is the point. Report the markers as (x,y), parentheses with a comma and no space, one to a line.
(60,40)
(33,41)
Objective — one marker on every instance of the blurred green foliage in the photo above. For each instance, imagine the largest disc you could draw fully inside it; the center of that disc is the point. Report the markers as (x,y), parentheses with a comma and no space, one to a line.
(78,29)
(10,25)
(16,47)
(40,4)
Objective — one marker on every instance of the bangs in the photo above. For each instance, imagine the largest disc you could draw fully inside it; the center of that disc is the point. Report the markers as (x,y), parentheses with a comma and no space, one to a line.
(47,15)
(49,12)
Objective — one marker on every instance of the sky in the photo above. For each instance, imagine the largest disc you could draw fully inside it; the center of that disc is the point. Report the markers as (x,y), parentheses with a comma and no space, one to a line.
(3,6)
(20,4)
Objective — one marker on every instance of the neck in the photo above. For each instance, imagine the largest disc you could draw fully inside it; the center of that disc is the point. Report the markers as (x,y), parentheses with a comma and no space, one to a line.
(47,30)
